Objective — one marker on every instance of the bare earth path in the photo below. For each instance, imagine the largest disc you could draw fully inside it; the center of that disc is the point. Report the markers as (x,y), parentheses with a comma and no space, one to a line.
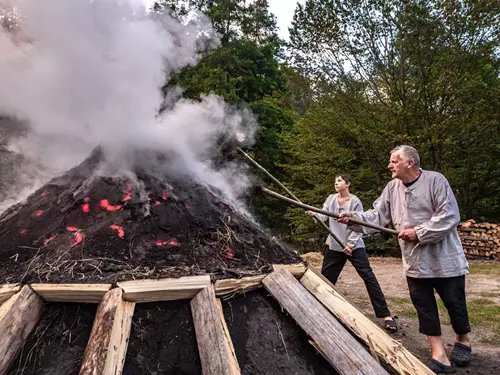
(483,297)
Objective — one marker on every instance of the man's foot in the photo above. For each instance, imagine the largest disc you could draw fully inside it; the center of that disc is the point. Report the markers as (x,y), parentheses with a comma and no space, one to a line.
(390,325)
(440,368)
(461,354)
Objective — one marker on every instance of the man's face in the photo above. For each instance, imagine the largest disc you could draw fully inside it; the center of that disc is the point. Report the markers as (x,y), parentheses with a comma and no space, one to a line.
(340,184)
(399,168)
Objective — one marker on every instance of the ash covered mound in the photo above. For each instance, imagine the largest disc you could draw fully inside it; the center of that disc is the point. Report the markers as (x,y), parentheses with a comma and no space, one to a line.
(81,228)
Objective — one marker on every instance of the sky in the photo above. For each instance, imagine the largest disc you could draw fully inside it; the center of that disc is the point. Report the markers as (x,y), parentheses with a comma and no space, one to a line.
(282,9)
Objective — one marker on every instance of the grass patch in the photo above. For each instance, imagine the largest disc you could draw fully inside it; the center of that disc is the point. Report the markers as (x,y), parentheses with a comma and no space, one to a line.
(403,306)
(490,294)
(484,269)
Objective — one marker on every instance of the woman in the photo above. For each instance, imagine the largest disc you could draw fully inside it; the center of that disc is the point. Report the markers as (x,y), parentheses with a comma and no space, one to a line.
(353,249)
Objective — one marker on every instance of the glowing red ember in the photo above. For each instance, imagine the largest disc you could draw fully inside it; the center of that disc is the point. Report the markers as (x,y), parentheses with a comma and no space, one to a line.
(77,239)
(47,240)
(128,194)
(44,193)
(171,242)
(165,195)
(72,229)
(86,199)
(86,208)
(230,253)
(121,232)
(38,213)
(104,204)
(23,232)
(157,203)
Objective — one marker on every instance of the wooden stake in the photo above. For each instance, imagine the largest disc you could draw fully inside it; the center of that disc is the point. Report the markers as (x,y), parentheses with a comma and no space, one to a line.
(213,343)
(18,317)
(164,289)
(385,347)
(340,348)
(108,342)
(296,270)
(233,361)
(7,291)
(78,293)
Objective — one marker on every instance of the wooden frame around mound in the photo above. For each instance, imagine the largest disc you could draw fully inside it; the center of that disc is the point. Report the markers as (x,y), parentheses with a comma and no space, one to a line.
(311,300)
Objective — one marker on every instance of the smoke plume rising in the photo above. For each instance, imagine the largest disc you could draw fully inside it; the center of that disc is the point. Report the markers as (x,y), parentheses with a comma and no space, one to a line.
(82,73)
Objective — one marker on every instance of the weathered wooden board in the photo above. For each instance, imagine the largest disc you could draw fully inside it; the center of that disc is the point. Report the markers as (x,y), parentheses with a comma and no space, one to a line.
(341,349)
(18,317)
(385,347)
(77,293)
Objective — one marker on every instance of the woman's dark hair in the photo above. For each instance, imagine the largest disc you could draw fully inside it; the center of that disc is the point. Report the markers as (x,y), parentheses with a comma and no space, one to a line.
(344,177)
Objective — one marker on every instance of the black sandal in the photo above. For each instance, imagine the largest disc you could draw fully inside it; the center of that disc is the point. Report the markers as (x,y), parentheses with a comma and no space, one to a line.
(390,325)
(440,368)
(461,354)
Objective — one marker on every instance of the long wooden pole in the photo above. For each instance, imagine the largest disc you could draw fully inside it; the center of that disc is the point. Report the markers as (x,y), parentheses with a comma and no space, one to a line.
(327,213)
(268,174)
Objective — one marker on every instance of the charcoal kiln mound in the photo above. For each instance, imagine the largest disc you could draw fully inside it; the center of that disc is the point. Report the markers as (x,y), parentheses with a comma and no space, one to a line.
(82,227)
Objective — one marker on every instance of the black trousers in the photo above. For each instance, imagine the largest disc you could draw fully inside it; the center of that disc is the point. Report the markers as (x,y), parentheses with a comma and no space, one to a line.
(452,293)
(334,262)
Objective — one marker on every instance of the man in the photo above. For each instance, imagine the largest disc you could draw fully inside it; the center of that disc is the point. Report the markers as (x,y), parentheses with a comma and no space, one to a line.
(421,205)
(353,249)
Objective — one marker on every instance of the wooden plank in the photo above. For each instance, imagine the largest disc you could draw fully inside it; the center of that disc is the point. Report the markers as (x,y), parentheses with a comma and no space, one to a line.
(385,347)
(342,350)
(77,293)
(108,342)
(7,291)
(234,287)
(18,317)
(235,366)
(213,345)
(164,289)
(296,270)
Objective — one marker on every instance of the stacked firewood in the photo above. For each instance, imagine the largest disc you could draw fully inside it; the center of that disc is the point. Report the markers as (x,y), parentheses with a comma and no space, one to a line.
(480,239)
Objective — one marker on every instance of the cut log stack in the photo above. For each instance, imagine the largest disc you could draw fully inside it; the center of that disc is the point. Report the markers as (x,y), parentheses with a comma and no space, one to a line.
(480,239)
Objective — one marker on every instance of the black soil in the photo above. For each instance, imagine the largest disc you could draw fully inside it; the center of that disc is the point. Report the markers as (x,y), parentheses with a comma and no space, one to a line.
(267,341)
(155,224)
(58,342)
(162,340)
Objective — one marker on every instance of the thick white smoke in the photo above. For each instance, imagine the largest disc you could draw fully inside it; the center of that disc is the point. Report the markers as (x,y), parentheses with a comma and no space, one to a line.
(81,73)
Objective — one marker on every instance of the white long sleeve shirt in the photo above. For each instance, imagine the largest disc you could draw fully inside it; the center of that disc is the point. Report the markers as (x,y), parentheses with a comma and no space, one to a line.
(430,207)
(343,232)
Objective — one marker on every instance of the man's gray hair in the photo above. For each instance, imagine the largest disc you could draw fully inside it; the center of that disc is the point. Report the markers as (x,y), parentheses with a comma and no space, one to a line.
(408,153)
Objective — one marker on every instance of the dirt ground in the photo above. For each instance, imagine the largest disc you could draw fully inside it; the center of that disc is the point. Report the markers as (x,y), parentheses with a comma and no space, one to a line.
(482,282)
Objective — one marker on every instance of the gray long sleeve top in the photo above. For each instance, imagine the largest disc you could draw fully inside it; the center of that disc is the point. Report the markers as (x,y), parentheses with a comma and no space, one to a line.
(430,207)
(342,231)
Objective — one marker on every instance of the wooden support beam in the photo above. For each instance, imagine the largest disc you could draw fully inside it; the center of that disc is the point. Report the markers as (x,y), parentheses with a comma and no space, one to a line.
(296,270)
(233,287)
(18,317)
(7,291)
(77,293)
(108,342)
(164,289)
(341,349)
(235,366)
(385,347)
(214,345)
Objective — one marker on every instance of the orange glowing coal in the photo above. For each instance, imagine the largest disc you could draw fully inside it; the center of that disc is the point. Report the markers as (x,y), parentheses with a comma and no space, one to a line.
(121,232)
(128,194)
(230,253)
(104,204)
(72,229)
(44,193)
(77,239)
(157,203)
(165,195)
(23,232)
(86,208)
(171,242)
(38,213)
(47,240)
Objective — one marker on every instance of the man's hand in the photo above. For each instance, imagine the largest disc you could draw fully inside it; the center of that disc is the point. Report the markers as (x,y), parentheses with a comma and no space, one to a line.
(344,217)
(408,234)
(310,213)
(347,250)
